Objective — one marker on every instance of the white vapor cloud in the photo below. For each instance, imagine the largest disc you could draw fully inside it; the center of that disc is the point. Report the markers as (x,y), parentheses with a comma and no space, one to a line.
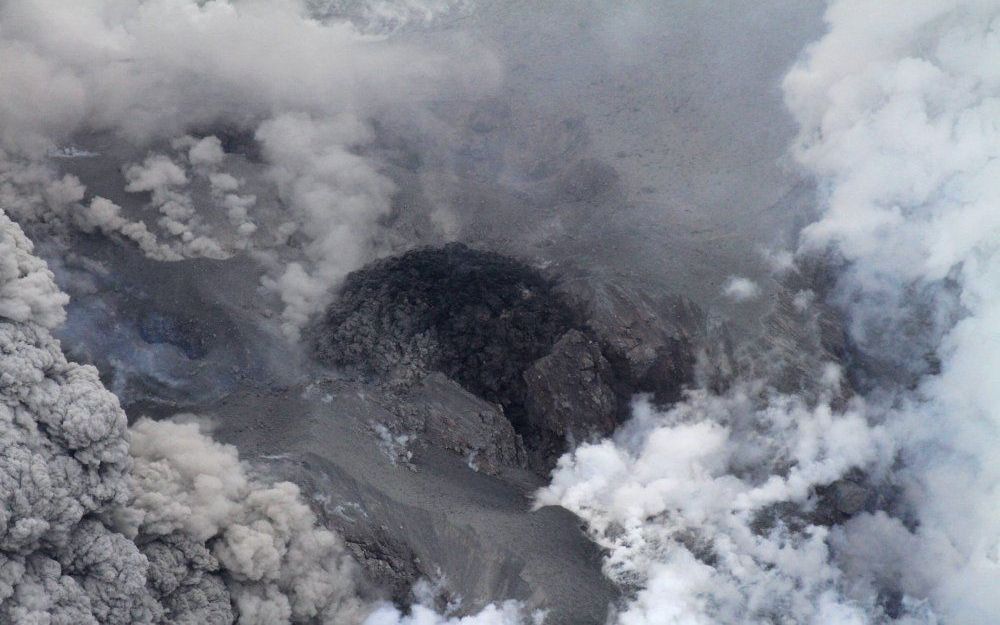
(507,613)
(740,289)
(897,107)
(899,113)
(677,498)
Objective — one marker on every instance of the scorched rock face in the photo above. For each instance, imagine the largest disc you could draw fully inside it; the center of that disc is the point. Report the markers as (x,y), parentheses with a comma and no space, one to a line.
(495,325)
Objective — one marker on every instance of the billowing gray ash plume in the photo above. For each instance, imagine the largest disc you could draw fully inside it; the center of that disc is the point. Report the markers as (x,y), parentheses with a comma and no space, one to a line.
(155,523)
(162,525)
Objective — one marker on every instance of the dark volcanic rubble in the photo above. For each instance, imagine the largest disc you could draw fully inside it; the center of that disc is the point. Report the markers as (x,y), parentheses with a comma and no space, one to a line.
(558,362)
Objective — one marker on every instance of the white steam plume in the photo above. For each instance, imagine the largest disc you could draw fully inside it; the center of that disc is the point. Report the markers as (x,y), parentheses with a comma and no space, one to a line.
(682,501)
(150,73)
(740,289)
(900,117)
(713,511)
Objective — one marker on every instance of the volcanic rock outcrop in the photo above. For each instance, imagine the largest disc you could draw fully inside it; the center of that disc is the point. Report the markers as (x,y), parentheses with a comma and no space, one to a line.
(560,364)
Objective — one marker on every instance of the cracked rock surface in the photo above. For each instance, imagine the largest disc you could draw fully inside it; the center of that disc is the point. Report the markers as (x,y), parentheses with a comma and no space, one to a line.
(557,361)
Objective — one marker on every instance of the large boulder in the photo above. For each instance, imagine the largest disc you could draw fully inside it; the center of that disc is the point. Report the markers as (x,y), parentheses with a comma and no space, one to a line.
(648,341)
(569,392)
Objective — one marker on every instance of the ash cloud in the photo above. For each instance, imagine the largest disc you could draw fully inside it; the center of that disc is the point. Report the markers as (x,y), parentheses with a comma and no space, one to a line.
(29,292)
(156,523)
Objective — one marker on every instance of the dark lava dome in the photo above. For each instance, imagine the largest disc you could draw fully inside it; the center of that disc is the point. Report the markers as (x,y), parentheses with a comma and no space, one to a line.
(478,317)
